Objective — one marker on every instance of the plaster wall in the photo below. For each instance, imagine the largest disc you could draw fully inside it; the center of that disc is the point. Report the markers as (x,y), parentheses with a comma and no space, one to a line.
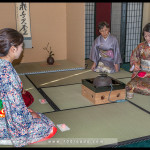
(60,24)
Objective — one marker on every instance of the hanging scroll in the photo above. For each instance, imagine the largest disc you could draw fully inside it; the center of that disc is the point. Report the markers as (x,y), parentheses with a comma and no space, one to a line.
(23,22)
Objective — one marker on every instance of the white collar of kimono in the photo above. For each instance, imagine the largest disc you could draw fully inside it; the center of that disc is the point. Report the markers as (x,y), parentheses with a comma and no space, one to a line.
(148,44)
(107,37)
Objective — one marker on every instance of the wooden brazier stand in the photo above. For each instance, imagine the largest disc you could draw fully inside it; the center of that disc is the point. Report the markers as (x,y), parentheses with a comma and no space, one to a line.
(100,95)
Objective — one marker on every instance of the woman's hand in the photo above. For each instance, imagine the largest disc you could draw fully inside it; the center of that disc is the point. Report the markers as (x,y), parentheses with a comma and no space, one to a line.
(116,67)
(93,66)
(136,68)
(30,110)
(23,91)
(34,114)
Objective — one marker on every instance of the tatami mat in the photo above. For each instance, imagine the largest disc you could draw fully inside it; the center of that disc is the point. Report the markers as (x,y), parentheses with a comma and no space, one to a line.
(67,97)
(125,80)
(142,101)
(61,78)
(69,77)
(36,105)
(121,74)
(43,67)
(123,121)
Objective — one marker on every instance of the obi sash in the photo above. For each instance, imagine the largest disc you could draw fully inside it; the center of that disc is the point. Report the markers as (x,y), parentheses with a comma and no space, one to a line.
(145,65)
(27,97)
(106,61)
(106,53)
(2,113)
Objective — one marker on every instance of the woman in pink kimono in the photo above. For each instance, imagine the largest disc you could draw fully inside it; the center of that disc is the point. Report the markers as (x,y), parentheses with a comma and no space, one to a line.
(140,65)
(18,124)
(105,52)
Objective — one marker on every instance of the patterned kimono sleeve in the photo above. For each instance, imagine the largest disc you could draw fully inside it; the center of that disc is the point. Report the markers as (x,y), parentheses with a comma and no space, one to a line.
(17,117)
(94,55)
(135,57)
(117,55)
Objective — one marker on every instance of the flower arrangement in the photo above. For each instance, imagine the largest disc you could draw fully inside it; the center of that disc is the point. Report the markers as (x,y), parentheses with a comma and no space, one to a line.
(50,59)
(49,50)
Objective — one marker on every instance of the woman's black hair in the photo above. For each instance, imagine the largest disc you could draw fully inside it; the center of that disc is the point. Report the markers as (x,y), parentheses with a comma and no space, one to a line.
(9,37)
(102,24)
(146,28)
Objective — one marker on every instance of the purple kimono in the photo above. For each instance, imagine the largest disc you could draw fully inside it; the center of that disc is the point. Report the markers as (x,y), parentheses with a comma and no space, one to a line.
(105,53)
(18,125)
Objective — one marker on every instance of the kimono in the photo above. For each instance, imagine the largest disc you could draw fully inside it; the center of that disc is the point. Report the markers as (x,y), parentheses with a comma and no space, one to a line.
(18,125)
(140,57)
(105,53)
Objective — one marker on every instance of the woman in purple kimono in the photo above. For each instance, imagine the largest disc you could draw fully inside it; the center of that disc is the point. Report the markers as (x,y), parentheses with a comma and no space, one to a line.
(105,52)
(18,124)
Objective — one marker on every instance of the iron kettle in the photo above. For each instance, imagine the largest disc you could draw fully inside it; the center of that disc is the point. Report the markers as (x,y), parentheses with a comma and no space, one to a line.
(102,80)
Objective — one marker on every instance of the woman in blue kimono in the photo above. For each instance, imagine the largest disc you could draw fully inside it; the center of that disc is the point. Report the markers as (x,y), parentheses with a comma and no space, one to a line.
(18,124)
(105,52)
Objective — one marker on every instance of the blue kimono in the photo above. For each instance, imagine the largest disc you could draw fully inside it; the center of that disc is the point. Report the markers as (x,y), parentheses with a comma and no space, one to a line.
(18,125)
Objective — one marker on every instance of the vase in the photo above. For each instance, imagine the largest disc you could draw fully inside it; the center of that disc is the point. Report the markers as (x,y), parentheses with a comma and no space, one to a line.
(50,60)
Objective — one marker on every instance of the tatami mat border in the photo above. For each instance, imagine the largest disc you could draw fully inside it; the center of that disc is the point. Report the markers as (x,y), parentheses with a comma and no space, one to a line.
(50,71)
(94,105)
